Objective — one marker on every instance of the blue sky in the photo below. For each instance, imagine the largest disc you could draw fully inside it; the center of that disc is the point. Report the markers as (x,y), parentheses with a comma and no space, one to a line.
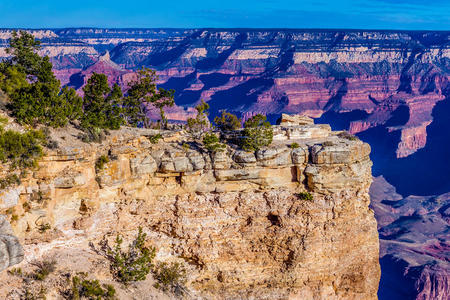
(364,14)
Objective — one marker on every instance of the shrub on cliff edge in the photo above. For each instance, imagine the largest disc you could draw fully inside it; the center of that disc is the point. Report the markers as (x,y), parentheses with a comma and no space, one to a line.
(200,124)
(212,143)
(21,150)
(257,133)
(305,196)
(227,122)
(101,104)
(142,94)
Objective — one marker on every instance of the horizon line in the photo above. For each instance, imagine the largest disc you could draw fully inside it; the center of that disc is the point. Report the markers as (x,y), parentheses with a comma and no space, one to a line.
(225,28)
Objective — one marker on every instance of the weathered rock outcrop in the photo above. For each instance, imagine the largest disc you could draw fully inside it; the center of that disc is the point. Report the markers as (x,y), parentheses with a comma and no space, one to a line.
(11,251)
(239,221)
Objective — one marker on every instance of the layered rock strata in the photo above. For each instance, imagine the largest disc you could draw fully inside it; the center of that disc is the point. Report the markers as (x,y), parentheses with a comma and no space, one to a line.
(240,222)
(271,71)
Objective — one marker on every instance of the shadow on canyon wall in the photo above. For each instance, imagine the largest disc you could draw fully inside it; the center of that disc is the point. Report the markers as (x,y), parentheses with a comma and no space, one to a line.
(425,172)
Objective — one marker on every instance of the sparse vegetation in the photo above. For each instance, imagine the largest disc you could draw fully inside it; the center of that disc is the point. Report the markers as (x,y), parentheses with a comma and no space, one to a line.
(134,264)
(101,162)
(9,180)
(328,143)
(42,227)
(3,121)
(41,294)
(21,150)
(92,135)
(91,289)
(154,139)
(44,268)
(227,122)
(170,277)
(200,124)
(38,196)
(212,143)
(186,147)
(52,144)
(257,133)
(305,196)
(26,206)
(15,272)
(294,145)
(348,136)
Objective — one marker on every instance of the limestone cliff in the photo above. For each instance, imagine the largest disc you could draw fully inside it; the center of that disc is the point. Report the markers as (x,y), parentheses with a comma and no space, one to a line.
(239,221)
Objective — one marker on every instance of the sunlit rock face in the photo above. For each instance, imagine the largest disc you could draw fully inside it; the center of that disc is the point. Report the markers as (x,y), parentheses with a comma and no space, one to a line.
(238,220)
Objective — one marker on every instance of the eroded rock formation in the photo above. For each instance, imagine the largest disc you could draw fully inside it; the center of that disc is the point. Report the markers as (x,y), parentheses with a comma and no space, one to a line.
(239,221)
(11,251)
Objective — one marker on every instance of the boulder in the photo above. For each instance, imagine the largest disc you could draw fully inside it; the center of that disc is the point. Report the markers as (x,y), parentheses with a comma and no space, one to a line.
(10,197)
(237,174)
(308,132)
(177,165)
(244,157)
(221,160)
(339,152)
(293,120)
(143,165)
(299,155)
(11,252)
(271,157)
(69,180)
(197,160)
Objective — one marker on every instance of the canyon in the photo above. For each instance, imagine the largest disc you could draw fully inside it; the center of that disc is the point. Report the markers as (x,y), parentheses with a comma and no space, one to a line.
(237,220)
(390,88)
(370,74)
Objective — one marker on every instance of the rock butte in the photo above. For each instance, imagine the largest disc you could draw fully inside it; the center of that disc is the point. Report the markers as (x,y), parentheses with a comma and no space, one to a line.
(235,219)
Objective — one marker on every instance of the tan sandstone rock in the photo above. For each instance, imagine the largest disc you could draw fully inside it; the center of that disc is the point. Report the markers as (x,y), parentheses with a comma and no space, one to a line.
(235,219)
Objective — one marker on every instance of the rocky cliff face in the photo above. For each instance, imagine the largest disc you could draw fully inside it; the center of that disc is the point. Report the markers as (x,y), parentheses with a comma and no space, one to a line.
(238,221)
